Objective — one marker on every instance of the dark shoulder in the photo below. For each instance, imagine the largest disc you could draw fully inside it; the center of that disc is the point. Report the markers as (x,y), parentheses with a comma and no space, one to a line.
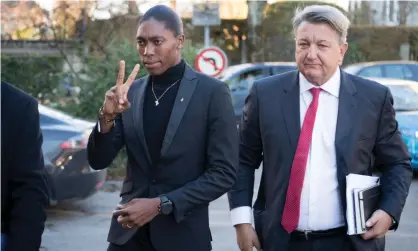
(135,87)
(138,82)
(15,98)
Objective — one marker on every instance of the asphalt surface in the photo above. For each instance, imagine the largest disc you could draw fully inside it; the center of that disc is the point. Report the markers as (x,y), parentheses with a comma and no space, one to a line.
(83,225)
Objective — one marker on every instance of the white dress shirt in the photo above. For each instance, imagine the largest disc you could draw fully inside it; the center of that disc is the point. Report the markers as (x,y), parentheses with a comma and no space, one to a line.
(320,207)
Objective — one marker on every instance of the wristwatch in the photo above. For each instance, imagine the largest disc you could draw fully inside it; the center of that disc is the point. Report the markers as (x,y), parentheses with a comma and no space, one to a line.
(166,206)
(393,223)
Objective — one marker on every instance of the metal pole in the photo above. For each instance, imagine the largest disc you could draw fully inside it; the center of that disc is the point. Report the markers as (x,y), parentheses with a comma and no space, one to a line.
(84,29)
(207,36)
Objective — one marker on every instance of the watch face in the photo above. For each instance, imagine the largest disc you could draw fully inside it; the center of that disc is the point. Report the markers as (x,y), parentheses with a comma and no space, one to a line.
(166,208)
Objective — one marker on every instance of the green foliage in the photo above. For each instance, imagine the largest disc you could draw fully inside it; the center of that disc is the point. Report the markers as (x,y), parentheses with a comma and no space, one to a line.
(353,54)
(99,75)
(36,75)
(371,41)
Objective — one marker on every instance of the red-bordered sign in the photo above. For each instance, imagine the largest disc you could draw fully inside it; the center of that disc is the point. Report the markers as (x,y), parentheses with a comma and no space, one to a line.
(211,61)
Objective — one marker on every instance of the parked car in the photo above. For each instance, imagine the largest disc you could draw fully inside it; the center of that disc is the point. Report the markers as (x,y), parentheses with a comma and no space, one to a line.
(65,155)
(405,103)
(238,101)
(242,76)
(406,70)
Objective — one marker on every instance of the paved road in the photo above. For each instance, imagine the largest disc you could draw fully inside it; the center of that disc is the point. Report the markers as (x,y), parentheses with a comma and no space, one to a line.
(83,226)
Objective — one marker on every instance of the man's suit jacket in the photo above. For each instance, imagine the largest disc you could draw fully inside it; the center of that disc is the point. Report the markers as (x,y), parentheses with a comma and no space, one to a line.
(24,188)
(366,135)
(198,161)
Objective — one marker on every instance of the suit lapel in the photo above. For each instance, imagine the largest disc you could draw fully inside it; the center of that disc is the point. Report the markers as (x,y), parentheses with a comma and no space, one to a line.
(346,113)
(290,108)
(184,94)
(138,116)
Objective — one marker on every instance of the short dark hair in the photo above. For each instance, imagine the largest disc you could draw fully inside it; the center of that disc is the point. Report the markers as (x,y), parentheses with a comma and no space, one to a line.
(165,14)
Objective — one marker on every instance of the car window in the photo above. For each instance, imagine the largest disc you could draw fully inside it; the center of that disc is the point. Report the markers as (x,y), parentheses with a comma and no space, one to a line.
(371,72)
(414,69)
(238,101)
(283,69)
(405,97)
(245,80)
(398,71)
(47,120)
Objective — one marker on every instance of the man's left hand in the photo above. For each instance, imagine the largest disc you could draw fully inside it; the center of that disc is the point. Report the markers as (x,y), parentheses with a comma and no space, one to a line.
(378,225)
(137,212)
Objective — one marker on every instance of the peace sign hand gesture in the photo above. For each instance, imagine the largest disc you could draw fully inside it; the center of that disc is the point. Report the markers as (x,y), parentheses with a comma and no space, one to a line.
(116,99)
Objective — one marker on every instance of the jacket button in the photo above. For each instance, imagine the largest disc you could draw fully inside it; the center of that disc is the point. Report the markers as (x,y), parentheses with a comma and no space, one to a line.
(153,181)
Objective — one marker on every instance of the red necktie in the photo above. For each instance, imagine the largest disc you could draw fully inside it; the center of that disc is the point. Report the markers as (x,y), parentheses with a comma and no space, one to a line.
(290,218)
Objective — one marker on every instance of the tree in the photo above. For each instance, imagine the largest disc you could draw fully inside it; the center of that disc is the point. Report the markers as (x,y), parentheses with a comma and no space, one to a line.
(405,9)
(362,14)
(99,74)
(22,20)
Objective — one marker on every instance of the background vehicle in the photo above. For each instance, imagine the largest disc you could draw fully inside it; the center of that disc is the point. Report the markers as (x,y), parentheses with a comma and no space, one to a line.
(407,70)
(64,148)
(242,76)
(405,99)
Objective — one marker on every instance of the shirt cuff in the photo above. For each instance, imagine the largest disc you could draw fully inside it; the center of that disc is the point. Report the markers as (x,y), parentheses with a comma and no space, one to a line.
(100,130)
(241,215)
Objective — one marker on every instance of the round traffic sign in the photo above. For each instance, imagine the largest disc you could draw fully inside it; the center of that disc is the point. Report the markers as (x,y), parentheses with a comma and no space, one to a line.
(211,61)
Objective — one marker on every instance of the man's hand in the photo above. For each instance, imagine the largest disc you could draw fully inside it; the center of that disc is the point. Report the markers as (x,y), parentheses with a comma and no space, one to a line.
(247,237)
(137,212)
(378,225)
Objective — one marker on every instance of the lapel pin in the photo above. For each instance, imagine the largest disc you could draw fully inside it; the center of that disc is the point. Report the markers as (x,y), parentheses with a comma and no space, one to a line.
(181,100)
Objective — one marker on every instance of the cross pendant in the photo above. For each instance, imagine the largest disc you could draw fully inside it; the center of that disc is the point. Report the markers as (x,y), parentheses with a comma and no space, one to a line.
(157,103)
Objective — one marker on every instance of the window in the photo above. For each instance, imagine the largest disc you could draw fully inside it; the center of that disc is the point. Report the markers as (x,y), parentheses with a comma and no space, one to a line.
(238,101)
(405,97)
(245,79)
(398,71)
(46,120)
(414,69)
(371,72)
(283,69)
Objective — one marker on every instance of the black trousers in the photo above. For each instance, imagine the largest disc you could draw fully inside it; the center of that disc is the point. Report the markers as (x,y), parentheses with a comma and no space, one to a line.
(334,243)
(139,242)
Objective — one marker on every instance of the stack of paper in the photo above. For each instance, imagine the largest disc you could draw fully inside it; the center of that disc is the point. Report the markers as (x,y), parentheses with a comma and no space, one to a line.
(356,184)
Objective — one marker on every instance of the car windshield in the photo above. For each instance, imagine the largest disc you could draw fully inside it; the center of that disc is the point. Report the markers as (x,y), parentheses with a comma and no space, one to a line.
(231,70)
(405,97)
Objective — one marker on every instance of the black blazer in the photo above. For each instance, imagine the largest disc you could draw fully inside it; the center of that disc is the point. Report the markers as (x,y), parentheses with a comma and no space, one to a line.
(24,188)
(366,133)
(198,161)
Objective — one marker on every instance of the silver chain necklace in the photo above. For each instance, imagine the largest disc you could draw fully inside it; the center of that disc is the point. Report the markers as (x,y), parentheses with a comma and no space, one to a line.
(155,96)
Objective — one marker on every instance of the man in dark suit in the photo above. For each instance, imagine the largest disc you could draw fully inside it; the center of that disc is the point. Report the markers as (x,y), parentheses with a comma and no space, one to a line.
(181,141)
(311,128)
(24,190)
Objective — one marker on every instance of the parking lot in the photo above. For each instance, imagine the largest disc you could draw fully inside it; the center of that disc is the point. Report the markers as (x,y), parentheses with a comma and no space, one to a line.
(83,226)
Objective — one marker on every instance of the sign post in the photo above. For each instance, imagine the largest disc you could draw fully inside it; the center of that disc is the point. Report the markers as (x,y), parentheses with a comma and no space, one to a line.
(211,61)
(206,14)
